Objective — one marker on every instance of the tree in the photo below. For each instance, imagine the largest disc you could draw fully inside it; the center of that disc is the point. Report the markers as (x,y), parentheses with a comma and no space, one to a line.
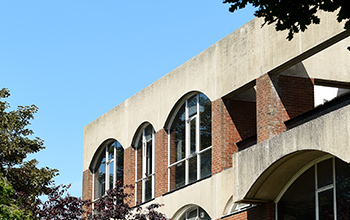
(294,15)
(115,205)
(23,181)
(61,205)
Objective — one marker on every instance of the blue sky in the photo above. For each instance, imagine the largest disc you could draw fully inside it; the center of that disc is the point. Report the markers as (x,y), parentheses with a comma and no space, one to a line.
(78,59)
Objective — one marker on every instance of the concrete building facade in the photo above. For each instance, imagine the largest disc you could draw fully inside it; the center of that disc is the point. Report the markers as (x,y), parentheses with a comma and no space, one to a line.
(254,127)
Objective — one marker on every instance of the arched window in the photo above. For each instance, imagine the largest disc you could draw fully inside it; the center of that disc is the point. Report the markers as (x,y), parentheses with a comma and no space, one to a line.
(190,142)
(321,192)
(195,213)
(109,168)
(145,168)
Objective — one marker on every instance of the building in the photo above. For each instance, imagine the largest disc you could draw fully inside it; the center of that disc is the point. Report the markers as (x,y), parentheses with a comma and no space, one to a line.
(254,127)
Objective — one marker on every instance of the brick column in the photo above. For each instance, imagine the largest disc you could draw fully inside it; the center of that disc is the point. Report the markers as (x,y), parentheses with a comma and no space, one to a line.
(161,163)
(129,172)
(280,99)
(232,121)
(87,185)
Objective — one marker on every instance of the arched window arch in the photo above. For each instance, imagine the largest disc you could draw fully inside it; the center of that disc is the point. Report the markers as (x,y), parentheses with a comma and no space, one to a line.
(194,213)
(322,191)
(190,142)
(109,167)
(145,164)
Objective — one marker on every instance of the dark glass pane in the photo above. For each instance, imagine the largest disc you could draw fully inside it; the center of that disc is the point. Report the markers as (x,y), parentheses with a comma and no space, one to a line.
(192,169)
(148,188)
(325,173)
(179,174)
(325,203)
(139,153)
(148,132)
(192,106)
(149,158)
(192,214)
(203,215)
(179,128)
(206,163)
(111,151)
(298,202)
(120,162)
(102,177)
(343,189)
(111,174)
(193,136)
(205,121)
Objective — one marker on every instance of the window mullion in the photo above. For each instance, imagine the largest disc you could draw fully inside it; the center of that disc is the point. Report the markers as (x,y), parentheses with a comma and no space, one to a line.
(187,142)
(144,156)
(334,190)
(169,138)
(198,140)
(316,194)
(106,170)
(115,165)
(153,163)
(136,183)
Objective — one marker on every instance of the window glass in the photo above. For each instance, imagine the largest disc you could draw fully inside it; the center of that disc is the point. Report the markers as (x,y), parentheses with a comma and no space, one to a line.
(196,213)
(192,106)
(108,168)
(145,167)
(111,174)
(193,136)
(206,163)
(180,175)
(120,162)
(325,173)
(192,169)
(342,189)
(102,177)
(190,138)
(205,121)
(179,132)
(148,188)
(306,200)
(298,202)
(325,203)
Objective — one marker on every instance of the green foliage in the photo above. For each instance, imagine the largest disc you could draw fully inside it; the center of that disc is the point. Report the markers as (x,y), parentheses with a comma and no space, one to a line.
(20,176)
(9,207)
(294,15)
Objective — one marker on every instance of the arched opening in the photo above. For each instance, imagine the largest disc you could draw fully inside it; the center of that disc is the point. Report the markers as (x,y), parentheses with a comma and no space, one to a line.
(190,141)
(192,212)
(108,167)
(145,163)
(320,191)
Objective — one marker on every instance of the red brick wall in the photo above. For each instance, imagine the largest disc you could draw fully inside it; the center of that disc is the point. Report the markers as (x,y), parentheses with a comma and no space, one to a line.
(232,121)
(279,100)
(87,185)
(243,115)
(297,94)
(260,212)
(161,163)
(129,172)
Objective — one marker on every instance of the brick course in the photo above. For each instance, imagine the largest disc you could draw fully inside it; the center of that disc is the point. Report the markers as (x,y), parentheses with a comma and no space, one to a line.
(87,185)
(161,163)
(129,172)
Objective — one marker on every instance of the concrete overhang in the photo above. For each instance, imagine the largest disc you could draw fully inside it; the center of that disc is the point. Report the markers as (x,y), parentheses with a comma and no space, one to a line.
(262,171)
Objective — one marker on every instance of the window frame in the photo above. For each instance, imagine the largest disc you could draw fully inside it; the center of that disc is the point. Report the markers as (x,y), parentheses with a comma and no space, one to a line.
(317,190)
(188,155)
(144,165)
(105,151)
